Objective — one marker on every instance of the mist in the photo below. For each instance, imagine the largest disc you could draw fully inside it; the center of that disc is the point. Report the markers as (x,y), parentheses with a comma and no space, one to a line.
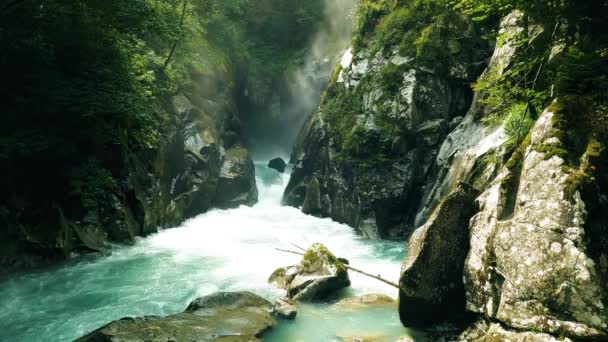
(299,92)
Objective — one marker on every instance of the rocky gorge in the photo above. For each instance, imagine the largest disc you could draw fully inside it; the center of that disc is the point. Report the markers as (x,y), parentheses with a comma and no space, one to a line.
(501,227)
(474,130)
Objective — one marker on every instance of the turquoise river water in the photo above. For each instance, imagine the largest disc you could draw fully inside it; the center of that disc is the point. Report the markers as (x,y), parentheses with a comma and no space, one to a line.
(222,250)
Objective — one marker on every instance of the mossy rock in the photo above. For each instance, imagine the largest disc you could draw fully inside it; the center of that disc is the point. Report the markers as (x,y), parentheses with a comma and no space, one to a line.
(320,274)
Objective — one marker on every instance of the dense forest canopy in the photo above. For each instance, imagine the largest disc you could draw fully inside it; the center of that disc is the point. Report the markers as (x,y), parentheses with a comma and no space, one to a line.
(84,82)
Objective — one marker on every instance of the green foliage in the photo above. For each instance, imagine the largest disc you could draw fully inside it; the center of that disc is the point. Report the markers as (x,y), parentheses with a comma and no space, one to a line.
(539,71)
(85,80)
(92,184)
(518,123)
(391,77)
(429,31)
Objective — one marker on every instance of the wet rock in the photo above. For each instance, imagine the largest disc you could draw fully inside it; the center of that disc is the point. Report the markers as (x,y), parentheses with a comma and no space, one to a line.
(432,132)
(237,180)
(455,122)
(312,201)
(90,232)
(319,275)
(230,300)
(431,288)
(285,308)
(283,276)
(369,300)
(373,169)
(238,316)
(277,164)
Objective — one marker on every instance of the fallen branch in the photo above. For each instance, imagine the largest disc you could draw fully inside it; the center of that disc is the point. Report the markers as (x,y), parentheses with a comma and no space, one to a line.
(298,247)
(377,277)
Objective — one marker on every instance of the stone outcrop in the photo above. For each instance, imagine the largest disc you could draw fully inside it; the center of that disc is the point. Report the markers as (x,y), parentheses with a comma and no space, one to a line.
(199,163)
(364,157)
(511,230)
(318,276)
(535,269)
(430,287)
(239,316)
(530,265)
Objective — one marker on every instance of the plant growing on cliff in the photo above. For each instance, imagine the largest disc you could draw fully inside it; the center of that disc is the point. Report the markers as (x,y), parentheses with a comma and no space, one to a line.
(518,123)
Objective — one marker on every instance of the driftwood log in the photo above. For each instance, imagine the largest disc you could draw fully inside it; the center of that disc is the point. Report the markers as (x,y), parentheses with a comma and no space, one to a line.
(377,277)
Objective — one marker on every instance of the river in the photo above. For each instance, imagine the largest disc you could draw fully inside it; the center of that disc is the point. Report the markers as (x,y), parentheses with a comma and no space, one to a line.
(221,250)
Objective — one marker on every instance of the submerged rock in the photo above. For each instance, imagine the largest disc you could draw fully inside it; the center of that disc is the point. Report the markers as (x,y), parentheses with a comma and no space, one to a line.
(278,164)
(365,301)
(318,275)
(361,338)
(237,316)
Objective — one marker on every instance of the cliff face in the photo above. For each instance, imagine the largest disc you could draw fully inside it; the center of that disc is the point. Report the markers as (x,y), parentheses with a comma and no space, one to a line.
(373,140)
(510,231)
(200,152)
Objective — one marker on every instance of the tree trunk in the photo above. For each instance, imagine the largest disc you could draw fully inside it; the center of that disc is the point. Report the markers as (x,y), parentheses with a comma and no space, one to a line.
(181,24)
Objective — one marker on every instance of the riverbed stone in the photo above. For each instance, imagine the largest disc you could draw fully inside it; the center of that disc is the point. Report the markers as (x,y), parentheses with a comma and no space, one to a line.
(366,301)
(285,308)
(318,276)
(282,276)
(238,316)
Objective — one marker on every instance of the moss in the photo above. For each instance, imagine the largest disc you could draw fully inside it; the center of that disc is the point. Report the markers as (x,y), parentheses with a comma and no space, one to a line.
(575,181)
(516,160)
(237,153)
(585,175)
(333,81)
(551,150)
(279,272)
(314,254)
(391,78)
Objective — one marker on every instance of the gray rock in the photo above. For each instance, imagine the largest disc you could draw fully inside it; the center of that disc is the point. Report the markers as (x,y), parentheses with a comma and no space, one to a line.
(494,332)
(224,316)
(277,164)
(319,275)
(530,266)
(373,169)
(312,201)
(285,308)
(237,180)
(430,287)
(283,276)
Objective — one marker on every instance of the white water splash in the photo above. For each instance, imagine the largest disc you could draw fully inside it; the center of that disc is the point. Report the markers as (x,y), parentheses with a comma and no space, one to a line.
(222,250)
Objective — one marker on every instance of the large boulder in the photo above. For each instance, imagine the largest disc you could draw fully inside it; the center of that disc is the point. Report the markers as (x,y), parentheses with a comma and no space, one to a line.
(239,316)
(319,275)
(431,288)
(533,264)
(277,164)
